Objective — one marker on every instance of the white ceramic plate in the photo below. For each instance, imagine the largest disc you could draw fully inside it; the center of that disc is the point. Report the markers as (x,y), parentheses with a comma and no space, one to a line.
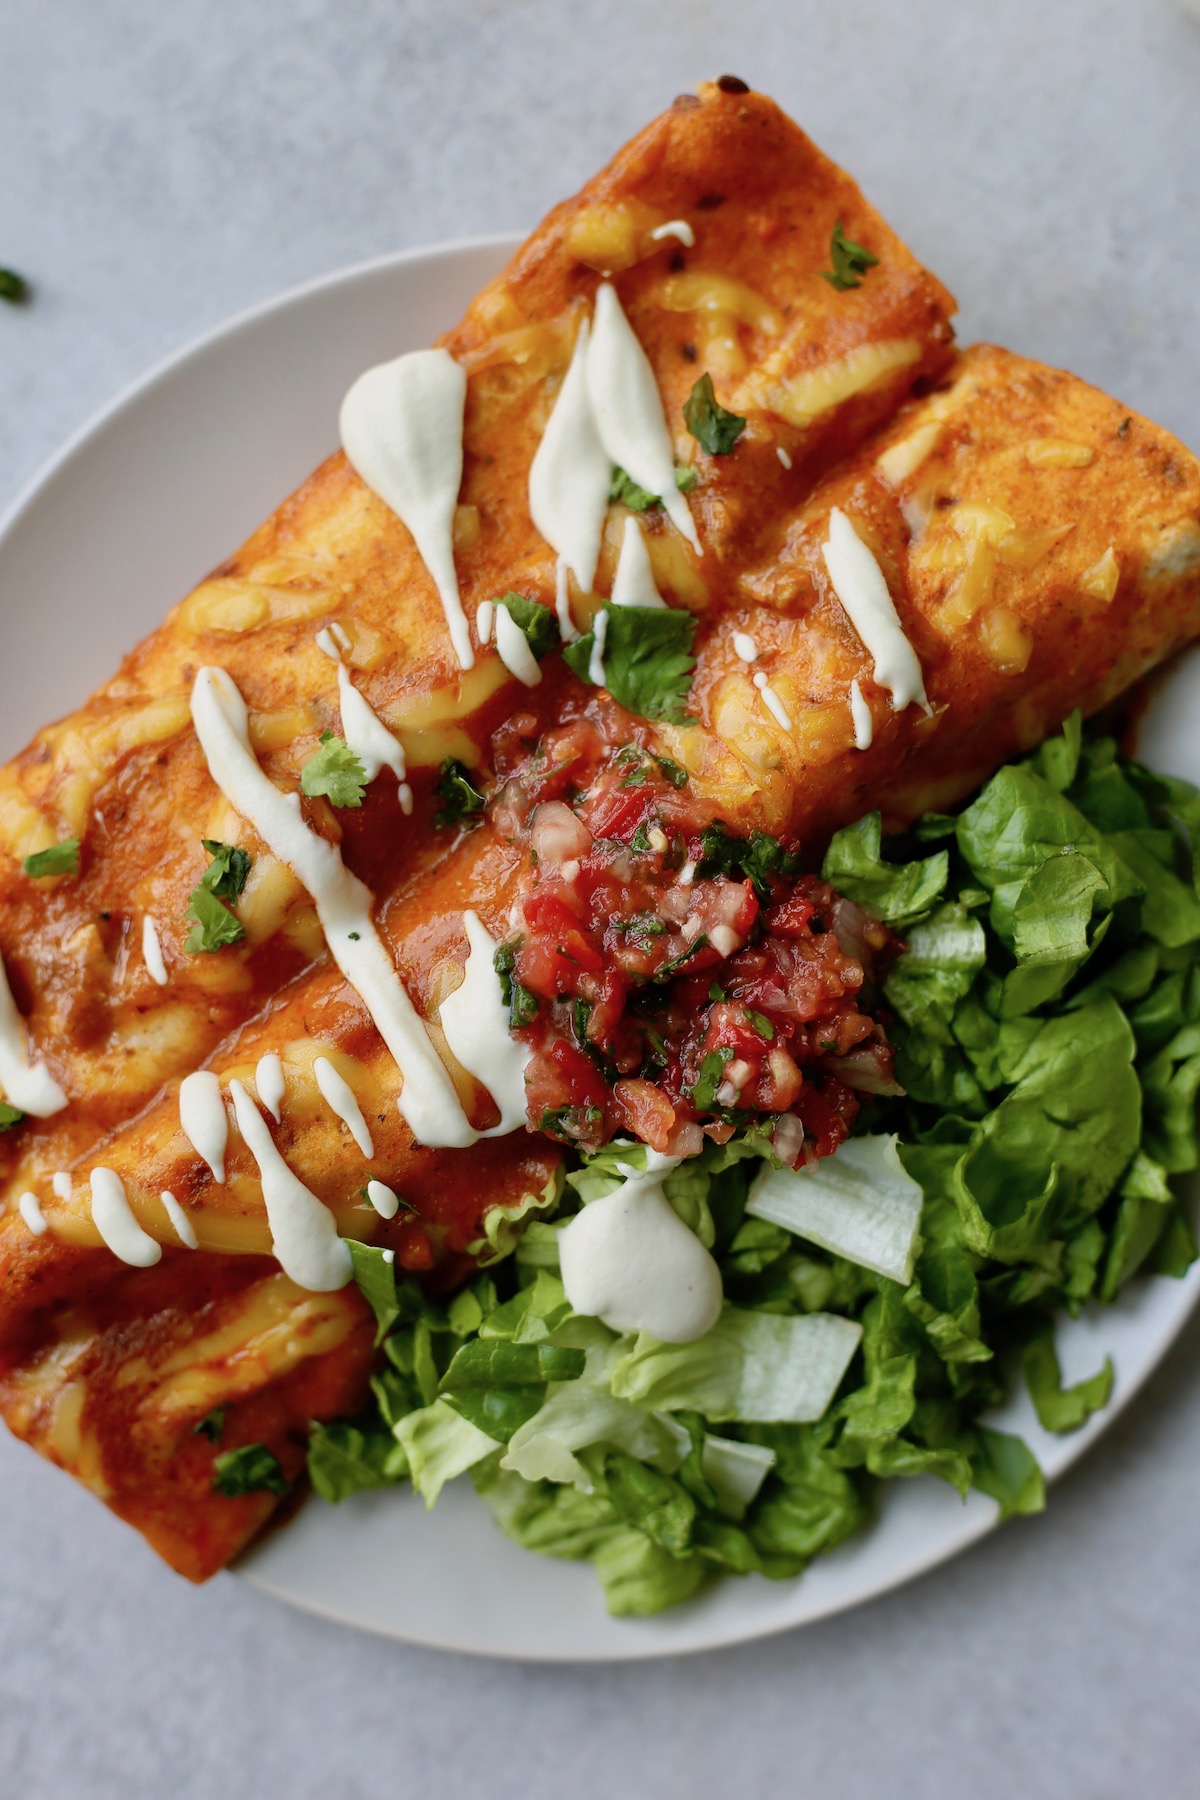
(128,518)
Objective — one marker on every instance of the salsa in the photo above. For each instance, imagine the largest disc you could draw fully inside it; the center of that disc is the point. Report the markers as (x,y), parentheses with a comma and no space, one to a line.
(675,982)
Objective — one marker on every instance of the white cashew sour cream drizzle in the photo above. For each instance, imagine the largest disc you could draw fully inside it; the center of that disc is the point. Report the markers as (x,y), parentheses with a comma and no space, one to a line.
(364,731)
(629,1260)
(428,1101)
(402,429)
(474,1020)
(608,414)
(303,1230)
(203,1119)
(24,1083)
(114,1219)
(512,646)
(861,588)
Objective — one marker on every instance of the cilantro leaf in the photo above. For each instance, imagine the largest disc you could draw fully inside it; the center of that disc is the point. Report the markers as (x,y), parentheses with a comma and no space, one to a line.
(626,492)
(335,772)
(214,925)
(13,287)
(712,1073)
(522,1004)
(754,858)
(345,1460)
(647,659)
(461,799)
(250,1470)
(212,1424)
(672,771)
(226,874)
(693,949)
(9,1116)
(59,859)
(714,429)
(850,261)
(538,623)
(375,1277)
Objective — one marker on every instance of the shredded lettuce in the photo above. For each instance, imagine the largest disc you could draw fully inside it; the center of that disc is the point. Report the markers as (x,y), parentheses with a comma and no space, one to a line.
(859,1203)
(757,1366)
(1046,1019)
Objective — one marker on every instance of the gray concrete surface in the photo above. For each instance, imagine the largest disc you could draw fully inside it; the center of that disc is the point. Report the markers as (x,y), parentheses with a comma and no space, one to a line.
(167,164)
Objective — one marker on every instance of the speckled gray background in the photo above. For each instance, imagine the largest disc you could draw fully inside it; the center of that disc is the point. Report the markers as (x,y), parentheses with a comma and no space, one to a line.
(168,162)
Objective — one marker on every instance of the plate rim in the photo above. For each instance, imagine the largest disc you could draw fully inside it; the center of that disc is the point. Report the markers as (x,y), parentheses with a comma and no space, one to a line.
(974,1525)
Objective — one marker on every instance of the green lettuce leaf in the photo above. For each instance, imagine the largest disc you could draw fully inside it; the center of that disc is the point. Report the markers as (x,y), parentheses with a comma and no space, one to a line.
(1061,1409)
(901,893)
(344,1460)
(751,1366)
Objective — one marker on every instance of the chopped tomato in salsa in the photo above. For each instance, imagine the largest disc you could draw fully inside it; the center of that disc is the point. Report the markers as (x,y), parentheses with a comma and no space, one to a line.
(675,982)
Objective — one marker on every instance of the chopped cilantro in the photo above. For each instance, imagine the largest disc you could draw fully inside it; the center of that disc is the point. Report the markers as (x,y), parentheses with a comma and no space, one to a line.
(461,800)
(647,659)
(250,1470)
(712,1073)
(642,928)
(13,287)
(850,261)
(717,992)
(761,1024)
(567,1122)
(668,969)
(59,859)
(226,874)
(334,772)
(538,623)
(9,1116)
(625,490)
(714,429)
(212,1424)
(753,858)
(640,839)
(673,772)
(214,925)
(668,768)
(522,1004)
